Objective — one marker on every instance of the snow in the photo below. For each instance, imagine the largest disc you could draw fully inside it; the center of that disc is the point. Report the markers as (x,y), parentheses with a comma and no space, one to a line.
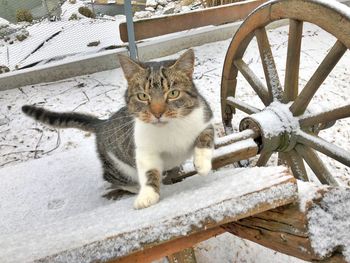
(57,214)
(307,192)
(61,39)
(273,75)
(234,147)
(68,9)
(329,223)
(276,119)
(234,137)
(3,21)
(78,35)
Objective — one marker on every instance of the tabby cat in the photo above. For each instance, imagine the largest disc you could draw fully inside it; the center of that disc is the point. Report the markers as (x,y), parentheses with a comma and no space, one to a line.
(165,121)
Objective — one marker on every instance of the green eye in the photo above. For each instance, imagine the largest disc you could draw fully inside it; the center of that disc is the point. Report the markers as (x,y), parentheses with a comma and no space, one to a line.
(142,96)
(173,94)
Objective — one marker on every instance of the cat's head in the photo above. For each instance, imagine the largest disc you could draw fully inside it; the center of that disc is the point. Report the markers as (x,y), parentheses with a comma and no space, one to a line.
(159,92)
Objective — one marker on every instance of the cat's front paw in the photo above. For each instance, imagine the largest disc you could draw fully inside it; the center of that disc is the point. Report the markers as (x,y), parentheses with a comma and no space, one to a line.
(202,160)
(146,198)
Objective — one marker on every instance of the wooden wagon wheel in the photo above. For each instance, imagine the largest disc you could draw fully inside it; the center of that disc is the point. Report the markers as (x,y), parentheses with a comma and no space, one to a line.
(295,135)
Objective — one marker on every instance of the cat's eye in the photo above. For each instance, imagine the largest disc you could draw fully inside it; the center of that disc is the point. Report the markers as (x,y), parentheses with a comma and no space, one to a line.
(142,96)
(173,94)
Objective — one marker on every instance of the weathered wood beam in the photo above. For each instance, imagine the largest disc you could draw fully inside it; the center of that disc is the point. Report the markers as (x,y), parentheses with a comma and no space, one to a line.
(275,231)
(185,256)
(168,248)
(287,229)
(223,155)
(210,227)
(147,28)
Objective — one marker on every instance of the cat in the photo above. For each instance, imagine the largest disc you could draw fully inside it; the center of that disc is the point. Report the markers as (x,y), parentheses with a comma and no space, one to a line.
(165,122)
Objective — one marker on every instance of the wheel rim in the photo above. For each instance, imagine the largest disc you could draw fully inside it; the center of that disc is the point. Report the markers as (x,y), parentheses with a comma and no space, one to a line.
(302,143)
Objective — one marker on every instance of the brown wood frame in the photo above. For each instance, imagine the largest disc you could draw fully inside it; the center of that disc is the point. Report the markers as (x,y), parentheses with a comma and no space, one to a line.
(152,27)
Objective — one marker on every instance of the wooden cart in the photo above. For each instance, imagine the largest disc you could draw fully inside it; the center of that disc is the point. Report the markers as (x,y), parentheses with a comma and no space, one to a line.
(271,213)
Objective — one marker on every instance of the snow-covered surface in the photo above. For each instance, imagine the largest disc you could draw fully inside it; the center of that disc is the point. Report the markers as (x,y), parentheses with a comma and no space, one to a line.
(21,139)
(307,192)
(50,41)
(329,223)
(234,137)
(275,119)
(234,147)
(328,219)
(61,39)
(51,208)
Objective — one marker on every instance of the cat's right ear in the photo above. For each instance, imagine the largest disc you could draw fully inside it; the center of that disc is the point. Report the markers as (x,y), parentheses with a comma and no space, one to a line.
(130,67)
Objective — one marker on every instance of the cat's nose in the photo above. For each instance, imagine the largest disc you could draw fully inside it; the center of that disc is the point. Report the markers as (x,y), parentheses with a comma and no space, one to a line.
(157,109)
(158,115)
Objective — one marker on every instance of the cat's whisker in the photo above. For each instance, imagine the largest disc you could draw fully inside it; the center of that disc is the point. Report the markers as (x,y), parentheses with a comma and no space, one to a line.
(131,138)
(112,119)
(125,134)
(115,129)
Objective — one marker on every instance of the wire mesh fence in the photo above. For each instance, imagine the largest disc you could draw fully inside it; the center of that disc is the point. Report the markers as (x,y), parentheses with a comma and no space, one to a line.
(38,32)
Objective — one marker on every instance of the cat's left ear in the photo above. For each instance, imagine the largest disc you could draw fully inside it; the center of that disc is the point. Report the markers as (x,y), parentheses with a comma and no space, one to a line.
(130,67)
(185,63)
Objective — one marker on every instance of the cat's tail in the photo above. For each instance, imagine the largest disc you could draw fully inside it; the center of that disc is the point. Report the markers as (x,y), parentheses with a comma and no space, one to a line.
(62,119)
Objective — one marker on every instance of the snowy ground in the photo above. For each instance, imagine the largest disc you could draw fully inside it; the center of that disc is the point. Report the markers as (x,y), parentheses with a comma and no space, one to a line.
(51,41)
(102,93)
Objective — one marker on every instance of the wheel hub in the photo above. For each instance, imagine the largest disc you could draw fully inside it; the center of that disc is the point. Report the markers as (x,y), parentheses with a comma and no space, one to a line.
(276,125)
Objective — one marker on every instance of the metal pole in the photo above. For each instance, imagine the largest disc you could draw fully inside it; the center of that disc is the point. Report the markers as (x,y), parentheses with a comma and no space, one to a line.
(130,27)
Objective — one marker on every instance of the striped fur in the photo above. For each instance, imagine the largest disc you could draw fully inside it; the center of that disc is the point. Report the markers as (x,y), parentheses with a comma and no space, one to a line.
(62,119)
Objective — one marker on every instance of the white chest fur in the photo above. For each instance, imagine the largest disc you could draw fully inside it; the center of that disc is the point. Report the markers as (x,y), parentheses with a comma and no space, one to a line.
(174,141)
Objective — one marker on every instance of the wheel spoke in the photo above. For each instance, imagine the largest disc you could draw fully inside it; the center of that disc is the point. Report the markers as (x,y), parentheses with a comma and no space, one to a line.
(325,147)
(293,60)
(316,164)
(325,117)
(302,101)
(263,158)
(272,79)
(282,158)
(253,80)
(296,163)
(241,105)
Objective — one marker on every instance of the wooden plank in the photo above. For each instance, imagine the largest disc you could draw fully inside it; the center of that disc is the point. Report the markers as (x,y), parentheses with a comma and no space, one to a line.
(275,233)
(168,248)
(185,256)
(158,250)
(228,154)
(147,28)
(288,229)
(230,195)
